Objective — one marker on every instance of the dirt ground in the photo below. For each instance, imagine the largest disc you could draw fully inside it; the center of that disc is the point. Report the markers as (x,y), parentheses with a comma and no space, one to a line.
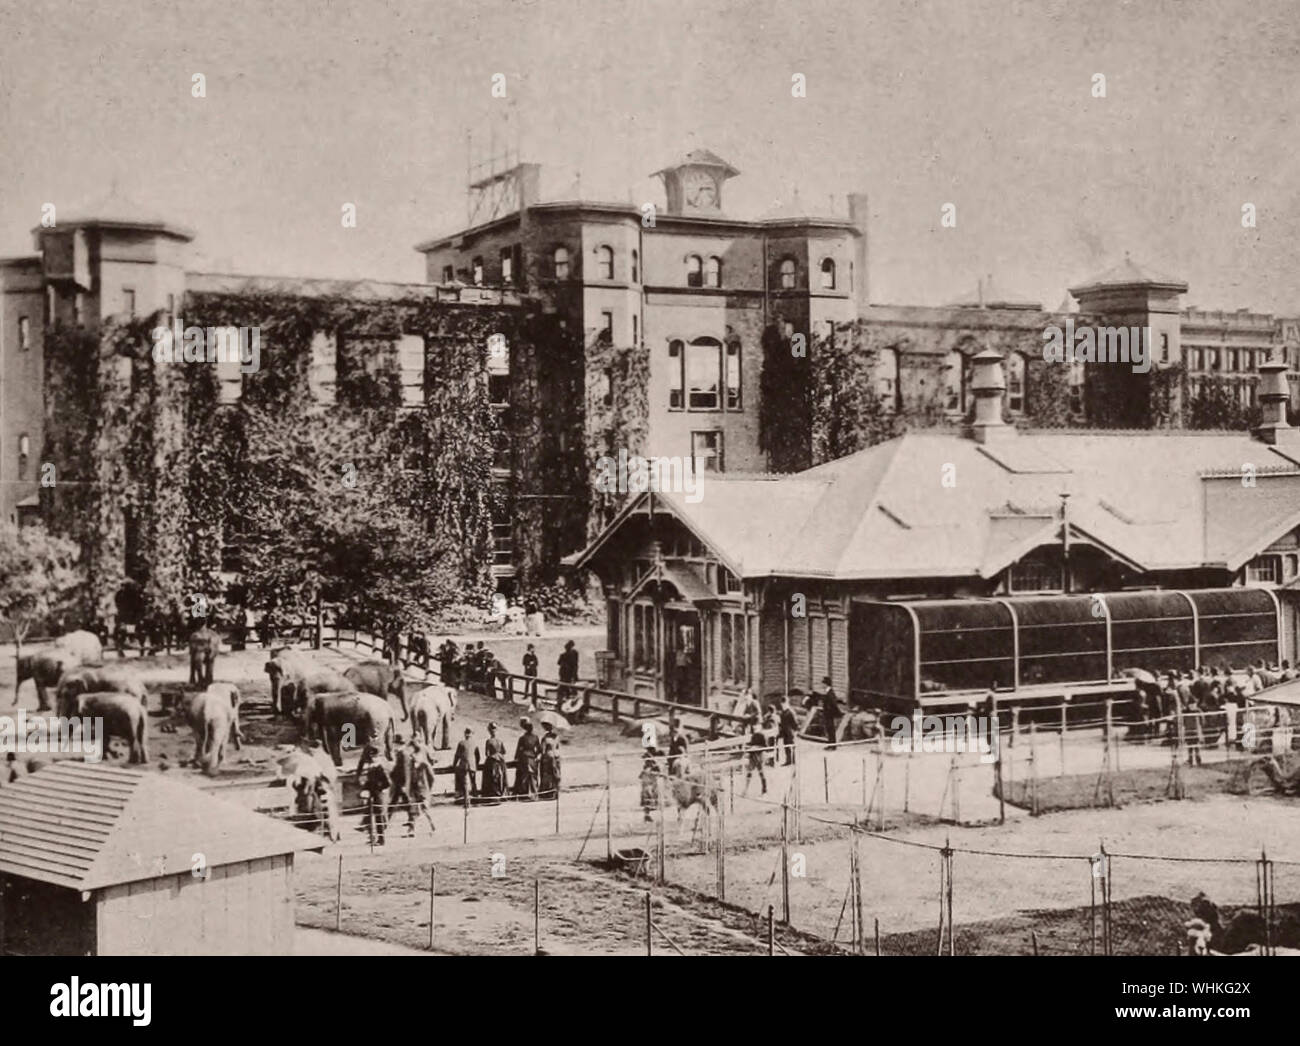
(1028,884)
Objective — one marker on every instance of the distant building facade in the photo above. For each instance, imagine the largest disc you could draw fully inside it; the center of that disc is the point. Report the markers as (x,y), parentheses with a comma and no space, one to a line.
(664,311)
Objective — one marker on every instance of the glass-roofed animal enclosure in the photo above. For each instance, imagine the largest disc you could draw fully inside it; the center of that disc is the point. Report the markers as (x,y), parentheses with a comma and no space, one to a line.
(935,653)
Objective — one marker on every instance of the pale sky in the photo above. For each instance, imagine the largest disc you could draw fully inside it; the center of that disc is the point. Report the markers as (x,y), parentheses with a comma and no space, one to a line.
(987,105)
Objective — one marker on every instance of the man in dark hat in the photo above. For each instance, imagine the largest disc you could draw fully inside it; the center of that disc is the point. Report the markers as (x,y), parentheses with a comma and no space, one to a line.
(830,706)
(787,728)
(376,776)
(567,663)
(465,765)
(530,674)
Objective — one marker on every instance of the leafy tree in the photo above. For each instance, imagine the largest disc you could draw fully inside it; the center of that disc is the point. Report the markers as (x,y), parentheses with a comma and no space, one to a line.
(39,576)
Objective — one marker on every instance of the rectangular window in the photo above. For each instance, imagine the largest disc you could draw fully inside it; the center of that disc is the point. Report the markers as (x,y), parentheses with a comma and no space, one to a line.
(703,374)
(1035,575)
(171,307)
(636,334)
(24,333)
(1164,348)
(448,274)
(1262,570)
(732,650)
(607,327)
(676,399)
(706,450)
(733,376)
(128,301)
(1211,359)
(507,265)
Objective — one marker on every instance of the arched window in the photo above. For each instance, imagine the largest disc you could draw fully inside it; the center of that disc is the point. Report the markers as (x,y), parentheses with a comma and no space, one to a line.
(24,454)
(828,274)
(605,262)
(478,272)
(704,374)
(636,266)
(694,271)
(1016,383)
(787,274)
(887,379)
(713,272)
(954,383)
(561,261)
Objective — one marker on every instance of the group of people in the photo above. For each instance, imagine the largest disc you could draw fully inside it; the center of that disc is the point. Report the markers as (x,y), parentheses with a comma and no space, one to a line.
(406,780)
(479,670)
(1200,697)
(537,764)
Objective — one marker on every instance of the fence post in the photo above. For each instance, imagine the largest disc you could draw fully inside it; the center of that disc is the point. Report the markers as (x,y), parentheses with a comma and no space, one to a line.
(1106,944)
(857,887)
(537,916)
(785,862)
(465,833)
(771,931)
(661,845)
(826,778)
(1063,738)
(722,854)
(338,898)
(609,813)
(649,948)
(433,875)
(1033,769)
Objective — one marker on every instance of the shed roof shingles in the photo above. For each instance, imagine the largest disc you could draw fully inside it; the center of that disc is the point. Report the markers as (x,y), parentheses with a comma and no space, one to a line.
(89,826)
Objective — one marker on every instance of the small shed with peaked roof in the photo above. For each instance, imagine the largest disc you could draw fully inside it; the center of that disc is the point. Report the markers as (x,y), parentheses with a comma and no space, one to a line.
(101,860)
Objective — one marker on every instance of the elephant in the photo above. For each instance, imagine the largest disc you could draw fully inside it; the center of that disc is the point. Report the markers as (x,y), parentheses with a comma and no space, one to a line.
(294,676)
(213,715)
(314,781)
(329,713)
(430,707)
(84,646)
(122,715)
(45,668)
(114,679)
(381,679)
(204,647)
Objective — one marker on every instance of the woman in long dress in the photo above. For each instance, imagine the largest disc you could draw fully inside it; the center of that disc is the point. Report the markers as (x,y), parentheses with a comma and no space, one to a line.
(494,766)
(527,752)
(550,763)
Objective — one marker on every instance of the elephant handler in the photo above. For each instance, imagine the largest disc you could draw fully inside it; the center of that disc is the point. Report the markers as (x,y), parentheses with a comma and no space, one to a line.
(413,782)
(465,765)
(376,776)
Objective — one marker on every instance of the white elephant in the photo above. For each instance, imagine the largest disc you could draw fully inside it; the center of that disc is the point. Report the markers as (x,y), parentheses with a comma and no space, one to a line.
(430,707)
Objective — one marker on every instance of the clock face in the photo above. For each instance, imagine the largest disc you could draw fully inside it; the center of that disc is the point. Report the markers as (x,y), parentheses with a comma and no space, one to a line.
(699,189)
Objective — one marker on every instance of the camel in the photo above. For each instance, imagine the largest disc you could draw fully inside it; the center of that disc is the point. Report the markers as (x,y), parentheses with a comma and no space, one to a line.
(689,786)
(1244,933)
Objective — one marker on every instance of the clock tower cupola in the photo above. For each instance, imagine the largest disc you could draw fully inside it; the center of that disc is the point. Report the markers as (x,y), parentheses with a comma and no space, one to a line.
(694,183)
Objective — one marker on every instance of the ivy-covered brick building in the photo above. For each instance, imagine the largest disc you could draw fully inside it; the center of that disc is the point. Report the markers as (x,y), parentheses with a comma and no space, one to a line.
(543,339)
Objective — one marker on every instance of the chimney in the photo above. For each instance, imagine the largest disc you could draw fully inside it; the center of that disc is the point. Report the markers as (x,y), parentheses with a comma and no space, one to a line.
(1274,394)
(988,386)
(529,180)
(859,215)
